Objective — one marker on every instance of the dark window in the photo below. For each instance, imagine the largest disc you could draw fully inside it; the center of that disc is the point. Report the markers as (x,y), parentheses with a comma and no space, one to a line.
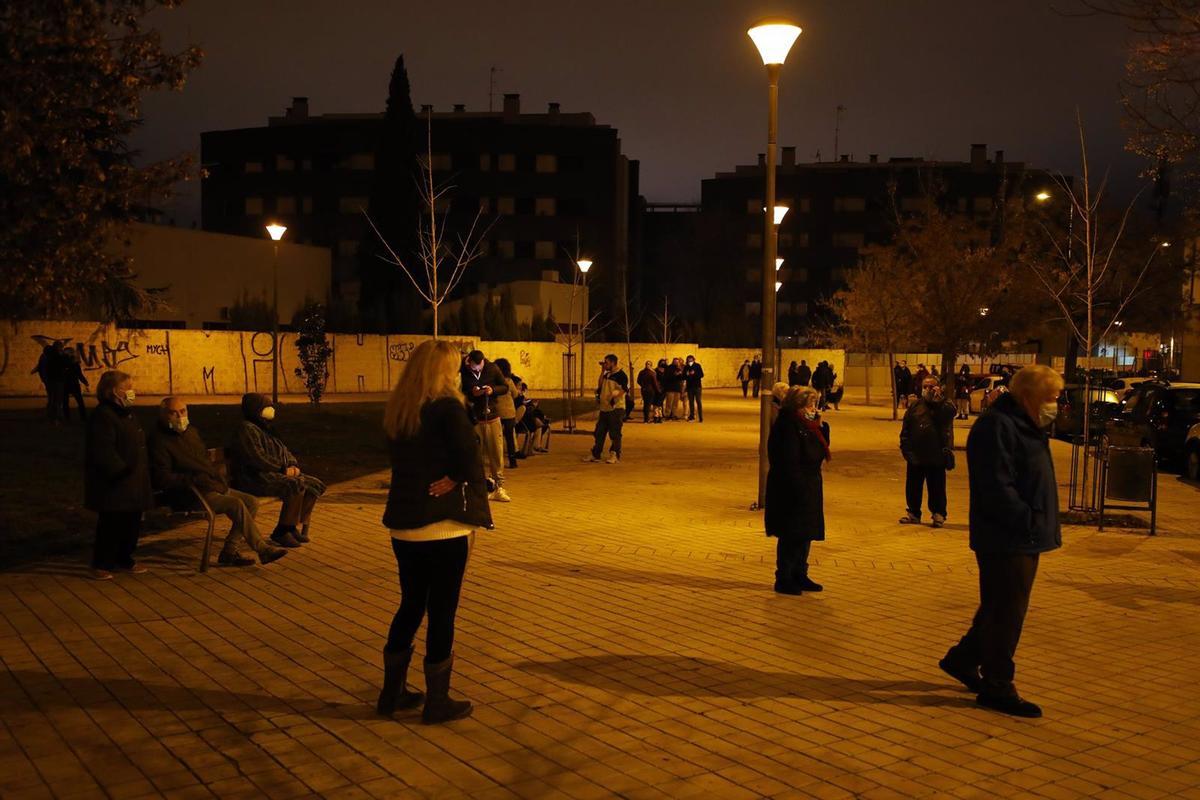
(525,162)
(572,207)
(524,249)
(524,205)
(570,163)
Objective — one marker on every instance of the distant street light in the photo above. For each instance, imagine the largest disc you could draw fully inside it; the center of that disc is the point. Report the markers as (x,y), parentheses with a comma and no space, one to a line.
(1042,196)
(984,311)
(774,39)
(276,232)
(780,213)
(778,285)
(778,264)
(584,265)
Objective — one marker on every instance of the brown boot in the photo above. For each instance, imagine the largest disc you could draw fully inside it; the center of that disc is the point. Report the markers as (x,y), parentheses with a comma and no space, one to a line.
(438,705)
(395,694)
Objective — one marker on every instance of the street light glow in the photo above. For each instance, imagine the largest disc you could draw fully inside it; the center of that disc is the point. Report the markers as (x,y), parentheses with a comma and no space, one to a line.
(778,285)
(984,311)
(1165,244)
(774,38)
(780,213)
(1042,196)
(276,230)
(778,264)
(584,265)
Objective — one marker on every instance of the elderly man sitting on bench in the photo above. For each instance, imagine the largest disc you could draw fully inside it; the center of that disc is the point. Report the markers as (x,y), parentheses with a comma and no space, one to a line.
(179,461)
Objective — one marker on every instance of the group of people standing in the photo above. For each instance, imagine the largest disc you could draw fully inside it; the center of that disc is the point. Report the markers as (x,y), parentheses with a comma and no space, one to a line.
(127,473)
(665,387)
(61,373)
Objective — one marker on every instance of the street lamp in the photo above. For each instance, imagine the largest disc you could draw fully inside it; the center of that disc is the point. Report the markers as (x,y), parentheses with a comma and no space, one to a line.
(774,39)
(778,264)
(276,232)
(780,213)
(584,265)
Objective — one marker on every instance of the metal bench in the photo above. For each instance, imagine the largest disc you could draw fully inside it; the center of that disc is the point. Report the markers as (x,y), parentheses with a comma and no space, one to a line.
(217,456)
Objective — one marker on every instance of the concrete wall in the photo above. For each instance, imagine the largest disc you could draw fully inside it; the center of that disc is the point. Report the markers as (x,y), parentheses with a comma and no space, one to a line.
(233,362)
(203,273)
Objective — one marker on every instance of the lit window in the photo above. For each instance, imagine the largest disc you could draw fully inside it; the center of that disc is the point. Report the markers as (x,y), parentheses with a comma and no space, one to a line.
(544,207)
(543,251)
(505,248)
(352,205)
(284,164)
(253,166)
(285,205)
(849,204)
(546,162)
(485,162)
(505,205)
(508,162)
(254,206)
(441,162)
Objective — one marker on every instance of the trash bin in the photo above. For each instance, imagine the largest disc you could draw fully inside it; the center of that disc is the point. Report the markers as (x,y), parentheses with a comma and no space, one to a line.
(1130,474)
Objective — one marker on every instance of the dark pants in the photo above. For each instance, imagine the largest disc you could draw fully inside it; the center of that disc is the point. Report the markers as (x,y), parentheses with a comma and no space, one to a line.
(754,385)
(56,398)
(1005,583)
(915,481)
(70,391)
(745,387)
(431,575)
(695,407)
(116,539)
(509,427)
(609,423)
(647,405)
(791,559)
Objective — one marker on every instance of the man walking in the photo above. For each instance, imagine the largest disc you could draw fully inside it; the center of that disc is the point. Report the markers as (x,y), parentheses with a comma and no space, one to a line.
(743,377)
(693,375)
(927,444)
(482,383)
(610,394)
(1013,519)
(755,376)
(648,384)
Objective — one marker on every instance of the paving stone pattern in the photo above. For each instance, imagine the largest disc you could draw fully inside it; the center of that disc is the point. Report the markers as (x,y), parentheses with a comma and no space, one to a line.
(620,638)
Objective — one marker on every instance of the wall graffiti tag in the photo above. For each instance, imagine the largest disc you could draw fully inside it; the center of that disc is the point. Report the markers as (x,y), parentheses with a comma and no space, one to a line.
(526,358)
(401,351)
(209,376)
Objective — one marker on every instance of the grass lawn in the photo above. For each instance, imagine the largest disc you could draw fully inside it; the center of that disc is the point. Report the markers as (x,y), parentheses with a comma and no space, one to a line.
(41,466)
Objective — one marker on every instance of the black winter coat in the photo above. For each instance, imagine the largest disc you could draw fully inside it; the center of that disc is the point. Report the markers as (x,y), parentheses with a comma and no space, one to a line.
(445,446)
(927,433)
(484,408)
(795,492)
(1014,495)
(673,379)
(179,461)
(116,466)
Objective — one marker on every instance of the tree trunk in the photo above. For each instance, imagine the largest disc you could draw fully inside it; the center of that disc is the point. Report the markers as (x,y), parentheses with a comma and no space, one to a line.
(949,361)
(1072,360)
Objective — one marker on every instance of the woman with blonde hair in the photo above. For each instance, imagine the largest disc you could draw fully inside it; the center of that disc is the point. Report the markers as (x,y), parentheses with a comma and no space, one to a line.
(795,515)
(437,499)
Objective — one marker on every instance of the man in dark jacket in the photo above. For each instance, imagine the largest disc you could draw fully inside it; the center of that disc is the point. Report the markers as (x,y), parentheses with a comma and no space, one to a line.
(1014,518)
(693,377)
(673,381)
(72,377)
(482,383)
(179,462)
(927,444)
(804,373)
(755,375)
(52,368)
(647,382)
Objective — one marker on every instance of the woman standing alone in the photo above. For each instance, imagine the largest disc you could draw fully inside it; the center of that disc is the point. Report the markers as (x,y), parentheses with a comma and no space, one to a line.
(437,499)
(798,445)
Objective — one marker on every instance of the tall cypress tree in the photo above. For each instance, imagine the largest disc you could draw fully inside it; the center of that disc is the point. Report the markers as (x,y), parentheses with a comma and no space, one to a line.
(387,297)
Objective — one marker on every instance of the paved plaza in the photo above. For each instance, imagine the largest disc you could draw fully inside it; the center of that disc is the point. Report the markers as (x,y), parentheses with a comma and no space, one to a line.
(619,637)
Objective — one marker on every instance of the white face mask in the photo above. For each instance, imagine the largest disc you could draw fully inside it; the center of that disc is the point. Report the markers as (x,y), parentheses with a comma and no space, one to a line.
(268,413)
(179,425)
(127,398)
(810,413)
(1047,413)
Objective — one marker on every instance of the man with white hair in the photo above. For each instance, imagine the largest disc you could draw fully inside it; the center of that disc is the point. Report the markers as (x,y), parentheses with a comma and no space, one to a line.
(1013,519)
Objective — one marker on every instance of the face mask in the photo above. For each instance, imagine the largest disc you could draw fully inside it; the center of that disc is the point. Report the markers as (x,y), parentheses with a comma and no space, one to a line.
(128,398)
(179,425)
(810,414)
(1047,413)
(268,413)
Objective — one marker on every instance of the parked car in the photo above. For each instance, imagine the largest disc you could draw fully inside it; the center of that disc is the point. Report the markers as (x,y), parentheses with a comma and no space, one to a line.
(1161,415)
(1103,404)
(1125,386)
(981,389)
(1191,453)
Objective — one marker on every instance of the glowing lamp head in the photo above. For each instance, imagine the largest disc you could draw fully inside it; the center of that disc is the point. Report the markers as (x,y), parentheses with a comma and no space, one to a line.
(276,230)
(1042,196)
(778,285)
(584,265)
(779,213)
(774,38)
(778,264)
(1164,244)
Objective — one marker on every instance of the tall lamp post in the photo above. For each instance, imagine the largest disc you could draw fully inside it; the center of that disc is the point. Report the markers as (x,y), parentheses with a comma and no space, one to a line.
(584,265)
(276,231)
(777,216)
(773,38)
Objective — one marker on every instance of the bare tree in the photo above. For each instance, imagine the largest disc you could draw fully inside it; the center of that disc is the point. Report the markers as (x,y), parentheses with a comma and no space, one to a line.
(436,255)
(1088,266)
(666,322)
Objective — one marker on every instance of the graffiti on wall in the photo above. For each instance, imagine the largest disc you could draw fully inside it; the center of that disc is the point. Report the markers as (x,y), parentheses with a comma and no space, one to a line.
(209,376)
(401,351)
(526,358)
(92,359)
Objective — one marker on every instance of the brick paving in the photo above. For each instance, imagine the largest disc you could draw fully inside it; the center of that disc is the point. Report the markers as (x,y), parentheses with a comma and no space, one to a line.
(619,637)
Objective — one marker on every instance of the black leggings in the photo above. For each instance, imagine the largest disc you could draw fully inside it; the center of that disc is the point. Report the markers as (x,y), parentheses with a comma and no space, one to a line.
(431,575)
(116,539)
(509,427)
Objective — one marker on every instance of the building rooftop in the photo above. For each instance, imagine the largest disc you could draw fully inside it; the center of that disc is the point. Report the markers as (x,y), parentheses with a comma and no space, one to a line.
(510,113)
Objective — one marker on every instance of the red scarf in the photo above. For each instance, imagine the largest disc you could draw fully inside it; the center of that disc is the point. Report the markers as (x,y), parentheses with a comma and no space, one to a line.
(814,426)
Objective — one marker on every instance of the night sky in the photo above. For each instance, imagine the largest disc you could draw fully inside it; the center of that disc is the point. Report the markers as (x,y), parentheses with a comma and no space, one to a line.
(679,79)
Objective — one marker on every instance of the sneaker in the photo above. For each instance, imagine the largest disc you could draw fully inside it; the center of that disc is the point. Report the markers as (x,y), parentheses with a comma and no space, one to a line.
(270,554)
(101,574)
(285,539)
(234,559)
(967,676)
(591,459)
(1012,705)
(613,458)
(938,521)
(500,496)
(909,519)
(135,569)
